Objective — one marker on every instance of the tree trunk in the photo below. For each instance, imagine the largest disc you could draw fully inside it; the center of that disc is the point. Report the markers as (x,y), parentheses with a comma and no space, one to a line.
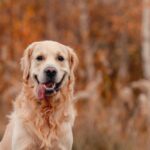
(51,31)
(84,30)
(146,38)
(123,73)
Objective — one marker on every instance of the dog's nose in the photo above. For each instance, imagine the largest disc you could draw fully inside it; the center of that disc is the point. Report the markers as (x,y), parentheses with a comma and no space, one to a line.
(50,72)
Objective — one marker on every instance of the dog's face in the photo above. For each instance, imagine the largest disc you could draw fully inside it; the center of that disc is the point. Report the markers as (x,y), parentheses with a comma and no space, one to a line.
(49,65)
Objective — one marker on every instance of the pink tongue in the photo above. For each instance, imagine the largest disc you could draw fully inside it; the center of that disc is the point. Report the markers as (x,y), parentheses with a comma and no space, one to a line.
(41,91)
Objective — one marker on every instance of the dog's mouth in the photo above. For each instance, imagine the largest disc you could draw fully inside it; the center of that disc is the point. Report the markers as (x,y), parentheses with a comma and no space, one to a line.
(47,89)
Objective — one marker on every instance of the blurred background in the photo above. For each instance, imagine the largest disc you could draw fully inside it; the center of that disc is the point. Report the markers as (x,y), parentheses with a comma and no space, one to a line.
(112,40)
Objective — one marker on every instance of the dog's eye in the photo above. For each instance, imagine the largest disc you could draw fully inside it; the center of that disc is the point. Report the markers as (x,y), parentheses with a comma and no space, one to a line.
(60,58)
(40,58)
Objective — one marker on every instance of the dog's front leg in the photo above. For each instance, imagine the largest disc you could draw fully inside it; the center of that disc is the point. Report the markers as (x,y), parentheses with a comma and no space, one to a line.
(21,140)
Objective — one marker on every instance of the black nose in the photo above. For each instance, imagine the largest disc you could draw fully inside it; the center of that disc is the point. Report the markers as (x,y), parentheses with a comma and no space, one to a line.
(50,72)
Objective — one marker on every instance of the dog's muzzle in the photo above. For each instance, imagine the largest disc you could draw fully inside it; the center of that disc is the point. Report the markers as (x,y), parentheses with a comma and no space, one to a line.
(45,90)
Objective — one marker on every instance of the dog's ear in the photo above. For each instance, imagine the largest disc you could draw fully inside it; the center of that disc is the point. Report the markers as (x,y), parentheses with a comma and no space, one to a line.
(73,61)
(26,62)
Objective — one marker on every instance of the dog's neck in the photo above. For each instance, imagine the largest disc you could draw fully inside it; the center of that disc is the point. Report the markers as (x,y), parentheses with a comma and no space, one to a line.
(55,107)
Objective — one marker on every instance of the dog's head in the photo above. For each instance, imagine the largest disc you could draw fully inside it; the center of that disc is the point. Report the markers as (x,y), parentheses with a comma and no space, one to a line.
(48,66)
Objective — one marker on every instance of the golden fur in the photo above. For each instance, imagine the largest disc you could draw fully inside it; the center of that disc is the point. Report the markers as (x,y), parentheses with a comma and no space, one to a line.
(46,124)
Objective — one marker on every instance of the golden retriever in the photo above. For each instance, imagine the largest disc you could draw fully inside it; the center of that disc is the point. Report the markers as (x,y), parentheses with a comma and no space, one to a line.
(43,113)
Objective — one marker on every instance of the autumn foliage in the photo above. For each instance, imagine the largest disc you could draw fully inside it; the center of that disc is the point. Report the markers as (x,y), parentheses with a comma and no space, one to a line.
(113,97)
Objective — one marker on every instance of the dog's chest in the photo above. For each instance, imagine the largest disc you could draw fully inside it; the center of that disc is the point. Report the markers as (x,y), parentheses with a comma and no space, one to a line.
(61,140)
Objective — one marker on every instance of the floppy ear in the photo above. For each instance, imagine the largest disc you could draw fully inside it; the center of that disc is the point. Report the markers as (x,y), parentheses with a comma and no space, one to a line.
(73,60)
(26,62)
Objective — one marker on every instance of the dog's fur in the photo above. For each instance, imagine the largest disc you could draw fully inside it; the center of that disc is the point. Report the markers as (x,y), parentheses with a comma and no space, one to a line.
(43,124)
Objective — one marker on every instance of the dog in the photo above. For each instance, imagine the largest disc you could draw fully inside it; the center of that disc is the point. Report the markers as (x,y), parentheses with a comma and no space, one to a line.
(44,112)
